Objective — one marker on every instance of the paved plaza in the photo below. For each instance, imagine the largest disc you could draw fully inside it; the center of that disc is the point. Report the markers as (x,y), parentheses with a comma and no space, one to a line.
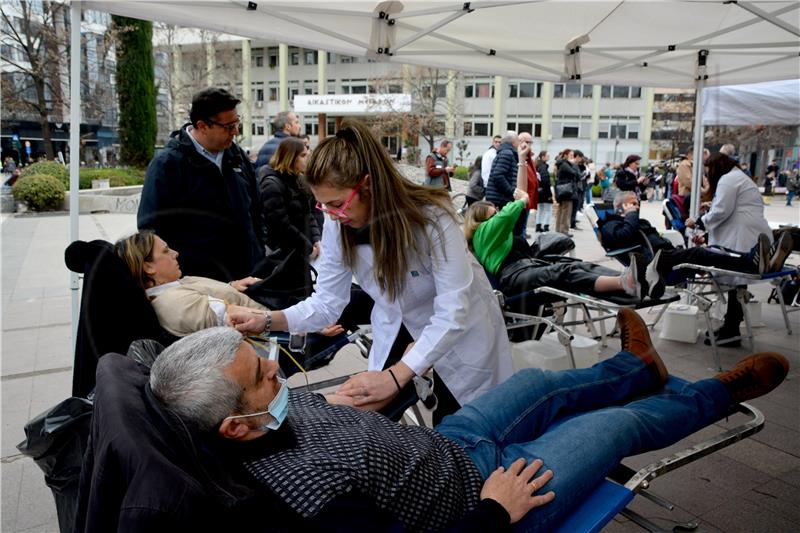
(752,486)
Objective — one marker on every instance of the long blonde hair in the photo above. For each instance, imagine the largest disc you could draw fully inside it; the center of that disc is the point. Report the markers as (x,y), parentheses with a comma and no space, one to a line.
(476,214)
(397,206)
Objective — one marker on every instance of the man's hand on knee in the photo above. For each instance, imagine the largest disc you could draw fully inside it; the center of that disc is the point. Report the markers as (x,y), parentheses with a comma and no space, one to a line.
(515,488)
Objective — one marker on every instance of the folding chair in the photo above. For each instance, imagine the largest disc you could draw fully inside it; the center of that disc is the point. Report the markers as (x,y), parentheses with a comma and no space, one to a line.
(717,282)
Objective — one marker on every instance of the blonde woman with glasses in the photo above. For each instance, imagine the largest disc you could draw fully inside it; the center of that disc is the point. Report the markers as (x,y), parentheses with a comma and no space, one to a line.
(402,243)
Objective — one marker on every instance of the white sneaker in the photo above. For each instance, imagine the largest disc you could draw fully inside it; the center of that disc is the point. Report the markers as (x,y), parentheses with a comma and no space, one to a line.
(653,278)
(630,280)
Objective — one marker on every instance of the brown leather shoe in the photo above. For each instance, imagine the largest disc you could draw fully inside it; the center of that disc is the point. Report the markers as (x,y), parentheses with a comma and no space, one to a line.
(636,339)
(754,376)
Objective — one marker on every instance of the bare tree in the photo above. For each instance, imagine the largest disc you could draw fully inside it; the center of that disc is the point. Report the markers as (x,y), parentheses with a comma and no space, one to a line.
(34,36)
(183,68)
(429,105)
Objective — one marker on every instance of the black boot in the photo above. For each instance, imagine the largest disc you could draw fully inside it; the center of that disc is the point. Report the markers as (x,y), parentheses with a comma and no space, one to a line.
(546,228)
(538,228)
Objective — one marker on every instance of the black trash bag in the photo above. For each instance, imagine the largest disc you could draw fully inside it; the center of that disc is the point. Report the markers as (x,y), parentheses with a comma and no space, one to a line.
(56,440)
(551,243)
(145,351)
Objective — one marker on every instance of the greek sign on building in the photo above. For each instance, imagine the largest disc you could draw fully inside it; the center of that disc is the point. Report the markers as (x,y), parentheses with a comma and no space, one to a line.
(352,104)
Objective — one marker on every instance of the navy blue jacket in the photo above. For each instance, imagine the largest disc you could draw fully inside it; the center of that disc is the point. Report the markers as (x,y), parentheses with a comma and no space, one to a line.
(503,176)
(212,218)
(268,150)
(622,232)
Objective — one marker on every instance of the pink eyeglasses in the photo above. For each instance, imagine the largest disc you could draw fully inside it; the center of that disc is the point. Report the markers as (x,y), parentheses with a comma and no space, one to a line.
(339,212)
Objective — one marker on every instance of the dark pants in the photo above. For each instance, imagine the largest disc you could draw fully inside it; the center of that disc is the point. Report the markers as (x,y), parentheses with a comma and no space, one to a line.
(576,206)
(704,257)
(528,274)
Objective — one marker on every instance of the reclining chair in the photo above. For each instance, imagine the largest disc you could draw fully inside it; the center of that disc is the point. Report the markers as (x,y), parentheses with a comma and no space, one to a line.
(146,470)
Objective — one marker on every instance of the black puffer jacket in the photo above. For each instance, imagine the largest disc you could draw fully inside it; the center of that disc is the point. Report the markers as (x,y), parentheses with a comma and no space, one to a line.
(289,223)
(545,187)
(503,176)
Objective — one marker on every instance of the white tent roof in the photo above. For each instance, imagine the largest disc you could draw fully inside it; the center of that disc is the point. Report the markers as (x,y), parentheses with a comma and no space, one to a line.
(646,43)
(772,103)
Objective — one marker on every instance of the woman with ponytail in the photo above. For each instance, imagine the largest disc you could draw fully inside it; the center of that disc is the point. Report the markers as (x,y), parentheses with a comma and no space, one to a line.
(402,243)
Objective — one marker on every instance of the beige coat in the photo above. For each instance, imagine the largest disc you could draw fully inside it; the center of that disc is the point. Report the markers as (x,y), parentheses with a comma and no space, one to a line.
(185,308)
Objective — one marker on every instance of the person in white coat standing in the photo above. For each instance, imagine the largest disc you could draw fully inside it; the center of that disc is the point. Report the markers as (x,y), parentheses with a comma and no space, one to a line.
(403,245)
(733,221)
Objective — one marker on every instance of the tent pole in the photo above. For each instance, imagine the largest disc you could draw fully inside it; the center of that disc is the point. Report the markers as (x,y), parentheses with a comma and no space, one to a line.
(74,147)
(697,165)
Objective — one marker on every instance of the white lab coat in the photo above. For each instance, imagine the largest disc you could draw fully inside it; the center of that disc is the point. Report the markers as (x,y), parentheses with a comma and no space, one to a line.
(736,217)
(447,305)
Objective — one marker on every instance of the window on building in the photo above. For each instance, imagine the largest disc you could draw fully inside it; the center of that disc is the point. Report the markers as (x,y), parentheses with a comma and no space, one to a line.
(618,131)
(469,90)
(331,58)
(441,90)
(311,57)
(572,90)
(570,132)
(633,131)
(558,90)
(587,91)
(311,126)
(605,91)
(527,90)
(294,58)
(273,94)
(482,129)
(331,127)
(259,95)
(347,59)
(621,91)
(520,127)
(513,90)
(293,91)
(468,129)
(260,130)
(636,92)
(273,60)
(537,130)
(331,86)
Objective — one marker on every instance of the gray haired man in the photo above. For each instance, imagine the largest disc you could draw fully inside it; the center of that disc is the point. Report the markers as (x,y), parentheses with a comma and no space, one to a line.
(286,124)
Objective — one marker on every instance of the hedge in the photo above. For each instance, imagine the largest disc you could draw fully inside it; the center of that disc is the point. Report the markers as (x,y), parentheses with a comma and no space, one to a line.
(40,192)
(461,173)
(117,177)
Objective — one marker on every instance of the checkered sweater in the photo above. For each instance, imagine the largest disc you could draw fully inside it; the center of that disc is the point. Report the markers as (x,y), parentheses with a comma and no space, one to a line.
(414,473)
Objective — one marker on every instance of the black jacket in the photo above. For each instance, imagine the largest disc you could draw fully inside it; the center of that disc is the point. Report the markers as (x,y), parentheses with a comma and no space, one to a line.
(545,187)
(288,220)
(503,176)
(623,232)
(209,217)
(626,181)
(567,173)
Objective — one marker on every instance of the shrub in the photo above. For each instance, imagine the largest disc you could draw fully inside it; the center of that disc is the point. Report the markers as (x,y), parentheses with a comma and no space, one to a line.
(118,177)
(461,173)
(41,192)
(50,168)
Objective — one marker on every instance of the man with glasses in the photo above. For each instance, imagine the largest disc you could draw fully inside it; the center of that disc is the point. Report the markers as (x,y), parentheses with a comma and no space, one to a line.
(200,193)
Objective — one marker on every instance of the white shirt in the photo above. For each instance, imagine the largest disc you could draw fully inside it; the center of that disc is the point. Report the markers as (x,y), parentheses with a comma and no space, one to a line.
(446,304)
(486,164)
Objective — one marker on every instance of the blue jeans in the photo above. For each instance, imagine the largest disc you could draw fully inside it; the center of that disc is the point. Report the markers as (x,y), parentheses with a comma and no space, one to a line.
(543,214)
(512,421)
(589,193)
(789,197)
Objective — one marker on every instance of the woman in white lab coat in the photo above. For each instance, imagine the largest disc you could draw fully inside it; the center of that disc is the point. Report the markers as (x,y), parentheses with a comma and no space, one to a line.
(403,245)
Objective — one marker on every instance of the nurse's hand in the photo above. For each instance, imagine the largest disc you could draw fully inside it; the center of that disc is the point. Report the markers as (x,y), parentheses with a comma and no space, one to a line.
(373,388)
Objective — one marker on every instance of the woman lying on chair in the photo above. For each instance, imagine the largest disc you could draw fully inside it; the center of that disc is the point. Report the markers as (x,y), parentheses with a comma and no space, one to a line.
(183,305)
(509,258)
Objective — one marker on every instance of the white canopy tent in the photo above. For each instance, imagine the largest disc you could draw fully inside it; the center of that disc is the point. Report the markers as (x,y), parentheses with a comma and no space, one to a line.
(770,103)
(668,43)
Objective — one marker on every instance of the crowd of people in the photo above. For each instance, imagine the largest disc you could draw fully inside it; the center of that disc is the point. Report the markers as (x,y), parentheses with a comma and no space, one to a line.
(397,255)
